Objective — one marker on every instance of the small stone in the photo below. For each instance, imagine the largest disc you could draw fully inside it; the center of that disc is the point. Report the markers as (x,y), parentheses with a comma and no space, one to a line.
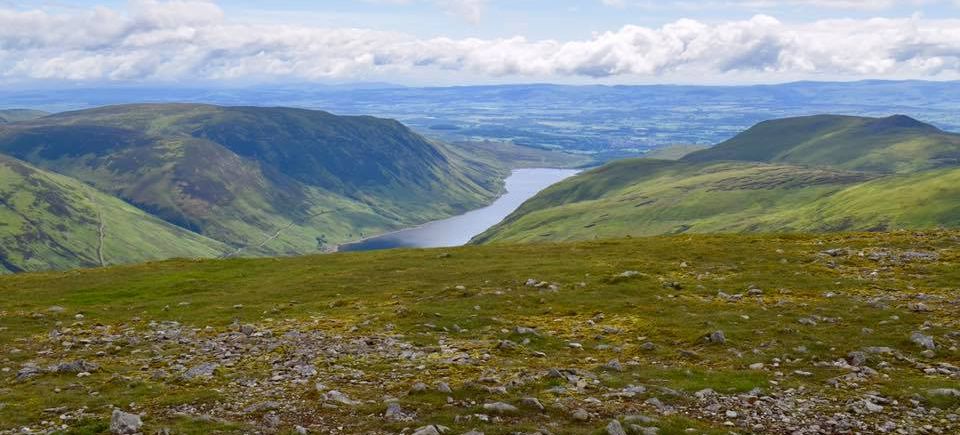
(718,337)
(532,403)
(944,392)
(756,366)
(429,430)
(857,359)
(615,428)
(581,414)
(500,408)
(522,330)
(924,341)
(928,354)
(79,366)
(338,397)
(418,388)
(443,387)
(300,430)
(731,414)
(648,346)
(248,329)
(614,365)
(395,412)
(124,423)
(202,371)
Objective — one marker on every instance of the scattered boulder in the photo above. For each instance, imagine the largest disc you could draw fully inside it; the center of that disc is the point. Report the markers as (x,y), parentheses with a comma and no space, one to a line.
(615,428)
(614,365)
(717,337)
(500,408)
(79,366)
(432,429)
(443,387)
(532,403)
(944,392)
(124,422)
(202,371)
(338,397)
(580,414)
(522,330)
(29,371)
(924,341)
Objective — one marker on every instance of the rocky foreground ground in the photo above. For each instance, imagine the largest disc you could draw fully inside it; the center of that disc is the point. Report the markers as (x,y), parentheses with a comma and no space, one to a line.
(799,335)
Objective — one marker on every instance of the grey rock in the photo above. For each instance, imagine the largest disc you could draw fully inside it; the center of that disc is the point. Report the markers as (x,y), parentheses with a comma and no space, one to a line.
(639,419)
(473,432)
(506,345)
(202,371)
(857,359)
(717,337)
(79,366)
(395,412)
(532,403)
(944,392)
(433,429)
(300,430)
(125,423)
(522,330)
(580,414)
(418,388)
(500,408)
(648,346)
(443,387)
(614,365)
(615,428)
(248,329)
(924,341)
(29,371)
(338,397)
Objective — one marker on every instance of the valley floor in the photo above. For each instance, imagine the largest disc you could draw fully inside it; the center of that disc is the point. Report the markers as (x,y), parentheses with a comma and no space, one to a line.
(849,333)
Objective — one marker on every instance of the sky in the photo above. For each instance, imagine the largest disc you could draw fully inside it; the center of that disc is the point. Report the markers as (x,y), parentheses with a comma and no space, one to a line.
(462,42)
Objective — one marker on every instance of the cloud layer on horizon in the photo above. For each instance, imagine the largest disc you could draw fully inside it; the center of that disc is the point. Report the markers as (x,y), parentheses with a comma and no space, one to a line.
(195,40)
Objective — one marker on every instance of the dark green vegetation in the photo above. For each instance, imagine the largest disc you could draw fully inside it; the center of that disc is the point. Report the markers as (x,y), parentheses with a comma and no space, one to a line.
(258,181)
(811,174)
(373,325)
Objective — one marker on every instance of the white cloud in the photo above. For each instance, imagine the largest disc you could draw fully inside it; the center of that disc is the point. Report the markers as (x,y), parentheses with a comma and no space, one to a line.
(193,40)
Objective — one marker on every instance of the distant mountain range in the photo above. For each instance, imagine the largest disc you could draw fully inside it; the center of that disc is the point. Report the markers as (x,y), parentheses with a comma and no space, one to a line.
(606,121)
(807,174)
(166,180)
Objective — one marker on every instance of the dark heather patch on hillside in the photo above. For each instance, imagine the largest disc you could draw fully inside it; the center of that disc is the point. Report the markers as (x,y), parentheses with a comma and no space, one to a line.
(898,122)
(788,178)
(5,262)
(54,142)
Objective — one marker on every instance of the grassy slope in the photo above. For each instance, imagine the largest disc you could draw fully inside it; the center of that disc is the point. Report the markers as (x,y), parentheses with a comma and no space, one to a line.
(780,176)
(241,175)
(412,296)
(518,156)
(894,144)
(17,115)
(49,220)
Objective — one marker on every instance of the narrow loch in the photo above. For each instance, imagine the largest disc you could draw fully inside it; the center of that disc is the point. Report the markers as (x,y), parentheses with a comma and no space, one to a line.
(521,185)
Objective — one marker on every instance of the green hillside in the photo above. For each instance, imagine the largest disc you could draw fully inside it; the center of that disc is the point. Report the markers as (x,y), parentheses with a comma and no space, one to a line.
(703,334)
(814,174)
(265,181)
(894,144)
(51,221)
(16,115)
